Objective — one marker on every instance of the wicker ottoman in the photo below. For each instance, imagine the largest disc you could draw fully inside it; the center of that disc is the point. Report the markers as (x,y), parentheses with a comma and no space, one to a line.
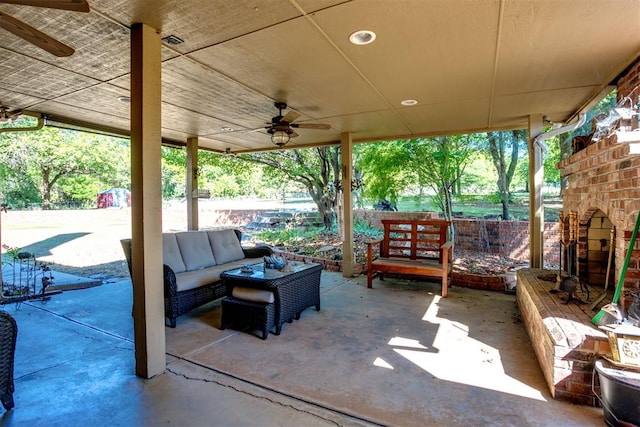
(255,315)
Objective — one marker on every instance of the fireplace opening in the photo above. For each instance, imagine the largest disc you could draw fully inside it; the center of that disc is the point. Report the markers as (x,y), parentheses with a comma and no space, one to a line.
(600,242)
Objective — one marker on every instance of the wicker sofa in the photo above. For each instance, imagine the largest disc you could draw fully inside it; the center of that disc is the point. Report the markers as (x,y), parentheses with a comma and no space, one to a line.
(193,261)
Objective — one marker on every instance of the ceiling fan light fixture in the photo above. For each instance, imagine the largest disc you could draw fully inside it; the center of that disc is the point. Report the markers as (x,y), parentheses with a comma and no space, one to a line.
(280,137)
(362,37)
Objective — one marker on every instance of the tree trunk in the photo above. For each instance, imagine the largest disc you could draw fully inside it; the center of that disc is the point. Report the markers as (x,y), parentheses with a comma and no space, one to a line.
(46,189)
(505,207)
(497,149)
(325,209)
(325,203)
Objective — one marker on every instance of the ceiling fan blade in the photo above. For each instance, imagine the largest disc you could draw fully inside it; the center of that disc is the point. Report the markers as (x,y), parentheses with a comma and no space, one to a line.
(311,126)
(263,128)
(73,5)
(33,36)
(7,115)
(293,135)
(290,117)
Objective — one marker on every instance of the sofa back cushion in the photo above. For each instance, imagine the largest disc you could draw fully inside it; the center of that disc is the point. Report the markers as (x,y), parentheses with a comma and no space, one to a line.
(195,250)
(171,253)
(226,246)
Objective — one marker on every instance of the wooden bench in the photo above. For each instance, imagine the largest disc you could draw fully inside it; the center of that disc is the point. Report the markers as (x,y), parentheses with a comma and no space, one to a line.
(413,248)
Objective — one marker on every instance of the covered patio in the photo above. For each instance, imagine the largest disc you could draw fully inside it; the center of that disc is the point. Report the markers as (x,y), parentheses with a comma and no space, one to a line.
(204,75)
(397,356)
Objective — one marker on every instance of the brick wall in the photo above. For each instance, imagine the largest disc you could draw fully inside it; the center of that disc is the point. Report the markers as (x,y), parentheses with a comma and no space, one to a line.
(506,238)
(606,176)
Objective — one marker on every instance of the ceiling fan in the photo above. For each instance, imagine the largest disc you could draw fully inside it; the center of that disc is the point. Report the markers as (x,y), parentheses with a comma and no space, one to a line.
(8,116)
(282,127)
(36,37)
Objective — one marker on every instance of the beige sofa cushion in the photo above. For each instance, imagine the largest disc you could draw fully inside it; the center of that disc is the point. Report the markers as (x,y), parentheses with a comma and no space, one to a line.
(171,253)
(195,250)
(226,246)
(193,279)
(252,294)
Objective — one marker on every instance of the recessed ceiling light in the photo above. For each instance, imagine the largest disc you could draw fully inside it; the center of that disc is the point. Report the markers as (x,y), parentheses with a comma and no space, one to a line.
(409,102)
(124,99)
(226,129)
(362,37)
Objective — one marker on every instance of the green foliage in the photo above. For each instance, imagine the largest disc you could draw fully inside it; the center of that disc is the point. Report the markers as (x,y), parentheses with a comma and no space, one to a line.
(435,164)
(288,235)
(317,169)
(550,160)
(228,176)
(174,173)
(363,227)
(383,169)
(479,176)
(439,164)
(10,255)
(56,165)
(504,150)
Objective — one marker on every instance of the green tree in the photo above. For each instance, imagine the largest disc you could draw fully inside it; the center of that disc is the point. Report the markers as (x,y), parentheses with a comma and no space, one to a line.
(173,172)
(317,169)
(504,149)
(225,176)
(382,169)
(550,160)
(64,165)
(439,163)
(478,175)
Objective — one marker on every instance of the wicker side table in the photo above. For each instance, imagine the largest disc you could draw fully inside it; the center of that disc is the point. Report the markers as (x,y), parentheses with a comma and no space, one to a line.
(254,315)
(293,290)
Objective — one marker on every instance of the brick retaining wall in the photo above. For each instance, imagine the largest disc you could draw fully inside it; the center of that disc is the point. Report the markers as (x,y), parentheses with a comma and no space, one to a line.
(506,238)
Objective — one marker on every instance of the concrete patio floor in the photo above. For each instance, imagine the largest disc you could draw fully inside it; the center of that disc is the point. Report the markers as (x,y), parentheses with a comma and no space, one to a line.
(393,355)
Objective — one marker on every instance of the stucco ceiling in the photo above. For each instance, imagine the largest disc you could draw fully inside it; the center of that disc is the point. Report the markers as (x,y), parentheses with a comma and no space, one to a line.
(471,65)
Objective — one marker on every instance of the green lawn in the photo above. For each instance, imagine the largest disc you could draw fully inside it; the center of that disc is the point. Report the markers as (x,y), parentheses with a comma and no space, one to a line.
(470,205)
(482,205)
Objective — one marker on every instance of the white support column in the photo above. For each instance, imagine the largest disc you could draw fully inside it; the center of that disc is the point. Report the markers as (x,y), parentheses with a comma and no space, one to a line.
(192,183)
(146,202)
(346,151)
(536,206)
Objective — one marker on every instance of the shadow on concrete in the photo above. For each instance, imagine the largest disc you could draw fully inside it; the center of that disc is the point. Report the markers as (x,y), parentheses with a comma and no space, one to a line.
(43,247)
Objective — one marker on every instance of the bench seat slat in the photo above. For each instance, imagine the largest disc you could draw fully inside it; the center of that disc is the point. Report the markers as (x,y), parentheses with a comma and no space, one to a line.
(405,249)
(408,266)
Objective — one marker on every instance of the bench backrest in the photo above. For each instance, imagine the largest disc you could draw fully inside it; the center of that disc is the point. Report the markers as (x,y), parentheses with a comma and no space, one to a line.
(417,239)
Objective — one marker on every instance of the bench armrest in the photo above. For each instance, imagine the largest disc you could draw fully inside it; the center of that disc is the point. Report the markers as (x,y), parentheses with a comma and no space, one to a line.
(447,252)
(370,245)
(374,242)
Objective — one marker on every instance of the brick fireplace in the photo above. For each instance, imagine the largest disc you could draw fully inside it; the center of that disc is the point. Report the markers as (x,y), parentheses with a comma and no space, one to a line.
(603,188)
(604,178)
